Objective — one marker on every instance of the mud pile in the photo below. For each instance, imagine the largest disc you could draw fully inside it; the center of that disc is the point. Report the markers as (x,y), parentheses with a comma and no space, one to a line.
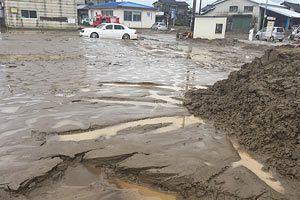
(260,106)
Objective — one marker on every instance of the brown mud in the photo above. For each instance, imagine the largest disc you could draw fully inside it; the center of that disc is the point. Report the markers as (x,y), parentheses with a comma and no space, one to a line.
(259,106)
(78,122)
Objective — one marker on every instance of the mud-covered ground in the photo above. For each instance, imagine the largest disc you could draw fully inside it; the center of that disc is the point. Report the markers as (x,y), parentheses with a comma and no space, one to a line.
(103,119)
(259,105)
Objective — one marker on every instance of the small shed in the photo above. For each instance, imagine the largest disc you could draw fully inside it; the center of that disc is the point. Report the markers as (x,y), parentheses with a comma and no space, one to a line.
(210,27)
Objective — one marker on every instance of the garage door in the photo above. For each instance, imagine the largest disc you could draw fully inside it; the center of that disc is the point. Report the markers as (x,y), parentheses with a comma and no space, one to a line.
(241,23)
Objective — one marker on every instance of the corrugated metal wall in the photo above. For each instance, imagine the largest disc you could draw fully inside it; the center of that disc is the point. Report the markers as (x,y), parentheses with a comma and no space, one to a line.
(51,11)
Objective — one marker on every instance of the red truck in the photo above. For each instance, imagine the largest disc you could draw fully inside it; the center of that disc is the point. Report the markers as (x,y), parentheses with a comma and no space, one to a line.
(99,19)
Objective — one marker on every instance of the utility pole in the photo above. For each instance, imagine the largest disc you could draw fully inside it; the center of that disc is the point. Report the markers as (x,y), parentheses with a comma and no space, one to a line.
(265,14)
(200,7)
(193,15)
(1,18)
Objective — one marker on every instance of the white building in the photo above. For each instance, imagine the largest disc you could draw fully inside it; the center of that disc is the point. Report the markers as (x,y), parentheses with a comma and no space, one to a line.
(131,14)
(209,27)
(243,15)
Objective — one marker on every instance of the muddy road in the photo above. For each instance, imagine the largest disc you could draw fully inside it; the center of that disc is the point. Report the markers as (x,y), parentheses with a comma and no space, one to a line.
(103,119)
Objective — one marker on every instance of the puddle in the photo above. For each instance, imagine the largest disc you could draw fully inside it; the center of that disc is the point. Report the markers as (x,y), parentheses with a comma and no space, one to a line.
(167,87)
(176,122)
(85,90)
(146,193)
(256,168)
(82,176)
(9,110)
(68,122)
(155,95)
(135,103)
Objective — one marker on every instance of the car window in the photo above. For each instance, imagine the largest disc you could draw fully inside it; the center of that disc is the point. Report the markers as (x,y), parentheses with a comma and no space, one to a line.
(118,27)
(109,27)
(280,30)
(100,26)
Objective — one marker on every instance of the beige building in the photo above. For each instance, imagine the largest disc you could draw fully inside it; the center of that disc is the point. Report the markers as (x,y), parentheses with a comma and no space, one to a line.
(55,14)
(209,27)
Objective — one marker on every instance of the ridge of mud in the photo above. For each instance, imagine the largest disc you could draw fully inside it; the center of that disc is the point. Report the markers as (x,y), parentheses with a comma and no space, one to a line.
(260,106)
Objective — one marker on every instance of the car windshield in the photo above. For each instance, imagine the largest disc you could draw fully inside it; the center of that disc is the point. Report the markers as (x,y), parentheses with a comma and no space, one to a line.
(100,26)
(280,30)
(162,24)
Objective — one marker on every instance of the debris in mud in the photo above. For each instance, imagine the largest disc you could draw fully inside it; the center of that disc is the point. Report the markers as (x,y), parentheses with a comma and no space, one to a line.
(260,106)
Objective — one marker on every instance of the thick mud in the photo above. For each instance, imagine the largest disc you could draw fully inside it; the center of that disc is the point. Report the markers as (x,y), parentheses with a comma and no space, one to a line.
(103,119)
(259,106)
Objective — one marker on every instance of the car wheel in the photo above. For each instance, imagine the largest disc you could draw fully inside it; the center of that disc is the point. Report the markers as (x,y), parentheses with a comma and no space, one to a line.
(94,35)
(257,37)
(126,37)
(272,39)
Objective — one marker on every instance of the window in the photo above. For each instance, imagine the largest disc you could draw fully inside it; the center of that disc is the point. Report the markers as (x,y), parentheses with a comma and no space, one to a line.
(248,9)
(233,9)
(107,12)
(28,14)
(127,16)
(132,16)
(100,26)
(118,27)
(219,28)
(136,16)
(280,30)
(109,27)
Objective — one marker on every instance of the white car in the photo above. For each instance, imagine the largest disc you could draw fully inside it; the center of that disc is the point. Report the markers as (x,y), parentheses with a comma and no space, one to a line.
(109,30)
(160,26)
(277,34)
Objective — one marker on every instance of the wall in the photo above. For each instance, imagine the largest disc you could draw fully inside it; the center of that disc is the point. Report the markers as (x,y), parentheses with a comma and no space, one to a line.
(44,8)
(148,17)
(205,27)
(222,9)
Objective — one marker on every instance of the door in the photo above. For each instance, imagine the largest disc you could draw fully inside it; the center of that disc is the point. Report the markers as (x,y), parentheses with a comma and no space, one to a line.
(107,31)
(119,31)
(241,23)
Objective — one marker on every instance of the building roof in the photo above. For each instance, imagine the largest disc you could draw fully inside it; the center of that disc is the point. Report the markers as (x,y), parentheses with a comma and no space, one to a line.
(292,5)
(283,11)
(211,6)
(263,2)
(82,7)
(181,3)
(272,6)
(124,4)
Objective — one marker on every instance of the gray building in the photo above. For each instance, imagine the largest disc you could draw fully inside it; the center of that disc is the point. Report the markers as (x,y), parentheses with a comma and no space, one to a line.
(52,14)
(245,14)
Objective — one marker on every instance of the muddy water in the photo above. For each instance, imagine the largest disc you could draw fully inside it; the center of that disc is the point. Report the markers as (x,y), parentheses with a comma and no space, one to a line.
(82,176)
(257,168)
(145,192)
(40,94)
(175,123)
